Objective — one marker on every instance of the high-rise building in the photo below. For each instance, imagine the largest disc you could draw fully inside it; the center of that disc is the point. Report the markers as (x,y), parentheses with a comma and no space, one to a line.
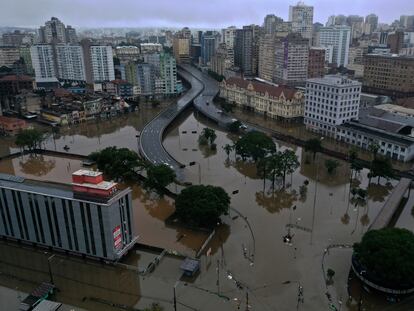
(371,22)
(338,38)
(54,31)
(70,62)
(316,62)
(222,60)
(15,38)
(395,41)
(267,57)
(331,101)
(270,23)
(102,63)
(127,54)
(301,16)
(168,74)
(292,57)
(356,60)
(209,44)
(228,36)
(246,50)
(9,55)
(407,22)
(181,49)
(25,55)
(43,61)
(389,75)
(91,217)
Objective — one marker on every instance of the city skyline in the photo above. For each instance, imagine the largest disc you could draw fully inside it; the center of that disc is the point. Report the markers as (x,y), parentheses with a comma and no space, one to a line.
(161,13)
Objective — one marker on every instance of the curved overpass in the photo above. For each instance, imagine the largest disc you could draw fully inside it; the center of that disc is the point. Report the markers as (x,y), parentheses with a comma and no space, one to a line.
(150,141)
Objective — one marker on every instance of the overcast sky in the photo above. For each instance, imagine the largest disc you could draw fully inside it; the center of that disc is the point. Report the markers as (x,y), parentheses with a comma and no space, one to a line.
(178,13)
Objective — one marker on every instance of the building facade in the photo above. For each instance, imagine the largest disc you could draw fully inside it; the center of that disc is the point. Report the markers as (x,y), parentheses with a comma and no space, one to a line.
(91,218)
(70,62)
(43,61)
(301,16)
(316,62)
(8,56)
(331,101)
(390,75)
(276,102)
(292,58)
(338,38)
(102,63)
(54,31)
(267,57)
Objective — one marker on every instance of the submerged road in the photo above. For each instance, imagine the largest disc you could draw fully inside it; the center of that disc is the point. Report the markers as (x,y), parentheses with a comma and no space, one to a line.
(151,137)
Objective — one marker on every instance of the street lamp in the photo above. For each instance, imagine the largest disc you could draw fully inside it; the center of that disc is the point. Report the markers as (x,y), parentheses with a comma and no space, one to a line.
(316,190)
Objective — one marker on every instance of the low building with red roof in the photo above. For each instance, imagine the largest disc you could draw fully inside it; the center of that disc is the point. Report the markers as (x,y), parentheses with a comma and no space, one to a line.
(274,101)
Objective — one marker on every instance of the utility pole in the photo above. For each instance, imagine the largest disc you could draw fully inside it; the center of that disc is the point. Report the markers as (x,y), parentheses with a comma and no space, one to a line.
(247,300)
(218,277)
(175,298)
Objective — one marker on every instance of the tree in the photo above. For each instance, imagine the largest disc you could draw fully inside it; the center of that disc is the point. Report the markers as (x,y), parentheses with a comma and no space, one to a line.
(288,163)
(387,255)
(374,148)
(227,149)
(208,135)
(118,164)
(381,167)
(313,145)
(201,205)
(330,273)
(255,145)
(159,177)
(30,139)
(331,166)
(234,127)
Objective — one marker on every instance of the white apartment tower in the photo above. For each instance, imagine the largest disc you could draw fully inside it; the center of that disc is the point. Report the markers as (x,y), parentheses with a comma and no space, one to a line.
(43,63)
(301,16)
(338,39)
(102,63)
(70,62)
(329,102)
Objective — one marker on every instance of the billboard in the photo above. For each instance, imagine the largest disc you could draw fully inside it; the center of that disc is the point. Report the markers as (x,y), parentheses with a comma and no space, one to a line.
(117,237)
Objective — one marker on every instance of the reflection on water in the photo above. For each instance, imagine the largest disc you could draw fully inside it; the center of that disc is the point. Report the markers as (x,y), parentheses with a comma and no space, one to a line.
(37,165)
(79,282)
(275,201)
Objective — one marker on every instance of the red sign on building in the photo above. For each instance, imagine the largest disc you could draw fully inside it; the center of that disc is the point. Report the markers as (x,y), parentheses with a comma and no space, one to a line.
(117,237)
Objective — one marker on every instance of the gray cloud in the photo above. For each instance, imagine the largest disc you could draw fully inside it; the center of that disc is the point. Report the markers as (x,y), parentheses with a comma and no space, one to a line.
(193,13)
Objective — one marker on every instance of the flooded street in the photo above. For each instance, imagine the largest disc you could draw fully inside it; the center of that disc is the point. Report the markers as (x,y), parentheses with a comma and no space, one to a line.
(248,254)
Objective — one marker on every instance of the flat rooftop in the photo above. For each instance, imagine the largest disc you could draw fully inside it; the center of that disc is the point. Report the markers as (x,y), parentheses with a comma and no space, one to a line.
(59,190)
(335,80)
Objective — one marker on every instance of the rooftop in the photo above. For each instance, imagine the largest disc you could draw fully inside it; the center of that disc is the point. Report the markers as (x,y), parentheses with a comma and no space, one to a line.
(274,91)
(22,78)
(336,80)
(88,173)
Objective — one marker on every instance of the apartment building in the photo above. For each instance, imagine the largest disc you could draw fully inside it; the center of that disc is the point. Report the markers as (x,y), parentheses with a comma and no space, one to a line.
(301,16)
(316,62)
(338,39)
(292,58)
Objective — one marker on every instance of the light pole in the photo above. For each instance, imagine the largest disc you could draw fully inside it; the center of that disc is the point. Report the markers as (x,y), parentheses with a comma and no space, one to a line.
(314,196)
(50,268)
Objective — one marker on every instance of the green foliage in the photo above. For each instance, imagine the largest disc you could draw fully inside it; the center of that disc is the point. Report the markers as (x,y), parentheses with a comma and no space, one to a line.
(374,148)
(202,205)
(331,166)
(234,127)
(215,76)
(118,164)
(30,139)
(388,254)
(159,177)
(313,145)
(207,135)
(330,273)
(228,148)
(278,164)
(255,145)
(381,167)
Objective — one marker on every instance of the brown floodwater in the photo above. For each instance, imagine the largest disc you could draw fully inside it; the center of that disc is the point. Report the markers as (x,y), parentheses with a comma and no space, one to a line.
(249,247)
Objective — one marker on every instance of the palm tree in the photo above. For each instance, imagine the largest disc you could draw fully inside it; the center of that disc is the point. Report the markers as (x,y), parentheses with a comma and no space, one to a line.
(228,148)
(313,145)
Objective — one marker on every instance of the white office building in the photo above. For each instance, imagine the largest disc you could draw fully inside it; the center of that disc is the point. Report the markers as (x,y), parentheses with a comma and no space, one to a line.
(43,63)
(338,39)
(70,62)
(301,16)
(102,63)
(329,102)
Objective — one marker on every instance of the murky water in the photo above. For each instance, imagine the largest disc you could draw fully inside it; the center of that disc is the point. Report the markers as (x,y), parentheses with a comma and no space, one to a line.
(250,246)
